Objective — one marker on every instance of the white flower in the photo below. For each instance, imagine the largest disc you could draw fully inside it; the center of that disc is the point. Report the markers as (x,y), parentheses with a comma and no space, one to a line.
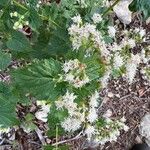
(142,33)
(97,18)
(89,131)
(94,100)
(131,67)
(92,116)
(71,124)
(118,61)
(70,65)
(77,19)
(105,79)
(111,31)
(131,42)
(59,104)
(69,97)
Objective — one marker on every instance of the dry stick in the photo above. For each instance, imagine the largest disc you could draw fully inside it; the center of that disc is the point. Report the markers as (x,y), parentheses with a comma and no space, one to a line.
(38,131)
(68,140)
(145,92)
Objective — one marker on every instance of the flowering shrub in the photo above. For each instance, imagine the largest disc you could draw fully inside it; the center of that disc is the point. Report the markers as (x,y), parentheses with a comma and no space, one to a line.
(68,53)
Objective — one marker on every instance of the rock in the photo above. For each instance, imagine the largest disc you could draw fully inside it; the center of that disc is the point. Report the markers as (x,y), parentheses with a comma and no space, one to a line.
(110,94)
(122,11)
(144,128)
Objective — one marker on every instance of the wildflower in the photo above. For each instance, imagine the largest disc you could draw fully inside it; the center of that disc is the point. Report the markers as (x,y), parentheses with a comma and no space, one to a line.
(89,131)
(105,79)
(92,116)
(118,61)
(94,100)
(97,18)
(14,14)
(77,19)
(71,124)
(75,73)
(131,43)
(111,31)
(142,33)
(131,67)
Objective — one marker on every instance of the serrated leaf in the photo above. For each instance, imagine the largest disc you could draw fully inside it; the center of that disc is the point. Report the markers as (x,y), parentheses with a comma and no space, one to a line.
(4,2)
(38,79)
(18,42)
(7,107)
(35,20)
(141,6)
(5,60)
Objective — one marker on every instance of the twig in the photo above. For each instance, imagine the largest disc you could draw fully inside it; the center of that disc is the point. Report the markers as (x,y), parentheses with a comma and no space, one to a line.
(144,92)
(38,131)
(68,140)
(111,7)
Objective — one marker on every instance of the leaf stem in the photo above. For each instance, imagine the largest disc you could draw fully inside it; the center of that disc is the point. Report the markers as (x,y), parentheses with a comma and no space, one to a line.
(20,5)
(111,7)
(56,137)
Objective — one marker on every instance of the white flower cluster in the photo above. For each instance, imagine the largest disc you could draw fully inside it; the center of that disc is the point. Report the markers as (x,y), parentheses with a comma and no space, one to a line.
(104,80)
(21,20)
(111,31)
(93,104)
(110,131)
(74,120)
(118,61)
(97,18)
(87,35)
(42,114)
(131,67)
(77,114)
(75,73)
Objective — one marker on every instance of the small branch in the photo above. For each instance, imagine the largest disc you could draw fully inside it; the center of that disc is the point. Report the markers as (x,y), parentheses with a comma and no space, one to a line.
(68,140)
(38,131)
(111,7)
(145,92)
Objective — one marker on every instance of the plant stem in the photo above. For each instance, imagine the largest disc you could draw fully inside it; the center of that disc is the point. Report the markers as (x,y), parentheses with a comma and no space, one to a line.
(111,7)
(56,137)
(20,5)
(43,17)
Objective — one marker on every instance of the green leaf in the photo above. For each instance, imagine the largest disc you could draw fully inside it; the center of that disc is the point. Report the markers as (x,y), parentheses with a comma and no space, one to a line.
(4,2)
(7,107)
(39,79)
(141,6)
(18,42)
(5,60)
(54,119)
(34,19)
(62,147)
(59,42)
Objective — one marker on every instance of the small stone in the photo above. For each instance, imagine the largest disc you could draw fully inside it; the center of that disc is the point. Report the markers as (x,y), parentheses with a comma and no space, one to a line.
(108,113)
(117,95)
(110,94)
